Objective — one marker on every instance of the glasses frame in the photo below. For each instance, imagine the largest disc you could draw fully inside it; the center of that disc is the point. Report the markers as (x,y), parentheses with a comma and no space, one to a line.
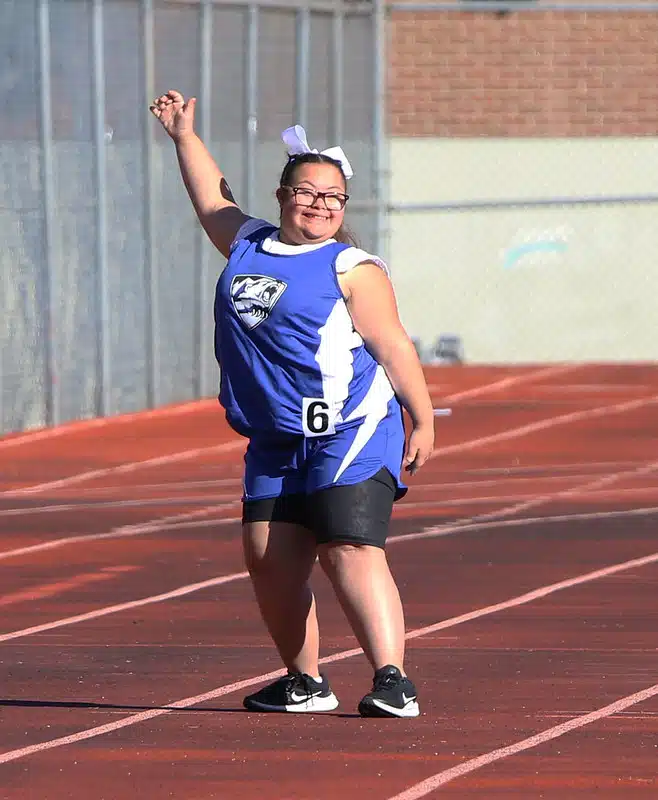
(316,196)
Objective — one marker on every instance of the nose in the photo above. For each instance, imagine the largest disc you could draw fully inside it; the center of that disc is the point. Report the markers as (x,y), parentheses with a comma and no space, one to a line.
(316,202)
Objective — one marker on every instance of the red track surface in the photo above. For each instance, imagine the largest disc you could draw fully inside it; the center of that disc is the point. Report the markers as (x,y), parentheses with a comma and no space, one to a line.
(541,475)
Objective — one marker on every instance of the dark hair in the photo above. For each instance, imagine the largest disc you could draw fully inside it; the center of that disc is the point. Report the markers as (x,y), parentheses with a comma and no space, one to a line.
(343,235)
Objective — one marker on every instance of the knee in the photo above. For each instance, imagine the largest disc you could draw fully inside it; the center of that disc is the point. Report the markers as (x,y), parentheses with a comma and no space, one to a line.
(267,574)
(262,561)
(256,563)
(339,557)
(279,558)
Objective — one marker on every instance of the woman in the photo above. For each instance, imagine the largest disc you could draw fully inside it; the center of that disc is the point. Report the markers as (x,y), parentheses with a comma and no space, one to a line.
(315,366)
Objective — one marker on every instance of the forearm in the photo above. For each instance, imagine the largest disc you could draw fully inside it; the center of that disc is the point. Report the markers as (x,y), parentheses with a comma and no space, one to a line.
(204,181)
(404,370)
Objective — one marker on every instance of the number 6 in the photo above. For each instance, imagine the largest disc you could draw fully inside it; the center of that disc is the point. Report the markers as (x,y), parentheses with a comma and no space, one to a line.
(315,417)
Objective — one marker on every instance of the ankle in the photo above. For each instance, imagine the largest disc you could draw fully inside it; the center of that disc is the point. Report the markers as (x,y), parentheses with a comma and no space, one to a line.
(309,673)
(390,666)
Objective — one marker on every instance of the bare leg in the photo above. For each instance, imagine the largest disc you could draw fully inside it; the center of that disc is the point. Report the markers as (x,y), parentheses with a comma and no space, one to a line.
(365,588)
(280,558)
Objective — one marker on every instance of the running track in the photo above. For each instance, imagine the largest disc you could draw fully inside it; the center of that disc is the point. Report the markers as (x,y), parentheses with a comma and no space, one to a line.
(526,553)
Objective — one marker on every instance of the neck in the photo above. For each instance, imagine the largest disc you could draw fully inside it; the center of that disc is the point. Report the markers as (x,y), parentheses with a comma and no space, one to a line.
(285,239)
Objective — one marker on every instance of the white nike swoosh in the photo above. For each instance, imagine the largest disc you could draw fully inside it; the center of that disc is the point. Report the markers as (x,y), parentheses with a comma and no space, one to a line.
(298,698)
(406,699)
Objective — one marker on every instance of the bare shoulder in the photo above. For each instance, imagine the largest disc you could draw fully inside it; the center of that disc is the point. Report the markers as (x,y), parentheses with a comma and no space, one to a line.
(352,257)
(236,225)
(366,276)
(223,225)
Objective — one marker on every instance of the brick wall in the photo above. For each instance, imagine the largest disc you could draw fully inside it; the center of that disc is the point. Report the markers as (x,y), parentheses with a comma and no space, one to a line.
(523,74)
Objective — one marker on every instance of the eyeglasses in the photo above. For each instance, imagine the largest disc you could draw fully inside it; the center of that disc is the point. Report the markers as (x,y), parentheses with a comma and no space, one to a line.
(307,198)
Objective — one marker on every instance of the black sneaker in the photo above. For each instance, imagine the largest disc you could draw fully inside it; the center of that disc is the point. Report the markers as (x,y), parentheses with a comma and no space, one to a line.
(295,691)
(391,696)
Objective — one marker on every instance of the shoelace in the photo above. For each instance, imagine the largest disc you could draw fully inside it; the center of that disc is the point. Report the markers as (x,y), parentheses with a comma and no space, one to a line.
(299,682)
(385,681)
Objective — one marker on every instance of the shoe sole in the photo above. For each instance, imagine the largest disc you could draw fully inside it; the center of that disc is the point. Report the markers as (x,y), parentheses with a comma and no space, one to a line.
(373,708)
(310,706)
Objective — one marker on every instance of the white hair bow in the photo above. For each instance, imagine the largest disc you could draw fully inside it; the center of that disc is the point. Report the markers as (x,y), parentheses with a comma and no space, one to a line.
(296,143)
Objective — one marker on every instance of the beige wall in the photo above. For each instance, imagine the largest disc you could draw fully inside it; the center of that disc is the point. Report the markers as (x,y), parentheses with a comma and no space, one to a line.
(528,284)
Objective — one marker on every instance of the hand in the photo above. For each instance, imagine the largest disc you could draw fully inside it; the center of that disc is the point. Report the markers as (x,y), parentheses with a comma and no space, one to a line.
(419,448)
(176,116)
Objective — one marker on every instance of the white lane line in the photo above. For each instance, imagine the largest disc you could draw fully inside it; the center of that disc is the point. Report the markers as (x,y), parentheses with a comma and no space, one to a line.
(511,481)
(450,530)
(230,499)
(590,486)
(114,609)
(544,424)
(80,477)
(221,691)
(536,594)
(123,531)
(441,778)
(45,508)
(84,476)
(152,526)
(143,502)
(530,469)
(203,523)
(81,425)
(512,380)
(187,500)
(171,487)
(589,494)
(599,387)
(468,445)
(105,610)
(593,487)
(475,526)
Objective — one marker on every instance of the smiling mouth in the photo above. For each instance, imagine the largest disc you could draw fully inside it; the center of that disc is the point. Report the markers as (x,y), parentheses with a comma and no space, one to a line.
(315,216)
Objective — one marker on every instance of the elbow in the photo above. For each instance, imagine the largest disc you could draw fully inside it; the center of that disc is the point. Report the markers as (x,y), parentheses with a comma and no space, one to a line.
(395,350)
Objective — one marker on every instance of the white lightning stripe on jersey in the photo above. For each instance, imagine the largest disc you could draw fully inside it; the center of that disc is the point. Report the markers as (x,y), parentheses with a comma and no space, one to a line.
(373,408)
(335,359)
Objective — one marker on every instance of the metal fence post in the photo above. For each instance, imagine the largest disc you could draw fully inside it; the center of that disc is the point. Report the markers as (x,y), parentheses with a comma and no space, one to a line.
(380,156)
(252,107)
(202,336)
(151,283)
(104,362)
(338,72)
(302,65)
(49,284)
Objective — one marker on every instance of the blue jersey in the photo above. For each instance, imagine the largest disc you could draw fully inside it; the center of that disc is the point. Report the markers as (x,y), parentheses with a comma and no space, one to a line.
(291,362)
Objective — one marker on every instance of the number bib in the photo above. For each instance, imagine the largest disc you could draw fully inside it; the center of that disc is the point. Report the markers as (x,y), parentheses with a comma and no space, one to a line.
(315,417)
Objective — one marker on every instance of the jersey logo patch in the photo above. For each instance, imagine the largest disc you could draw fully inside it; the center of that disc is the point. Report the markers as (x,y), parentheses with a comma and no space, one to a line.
(254,297)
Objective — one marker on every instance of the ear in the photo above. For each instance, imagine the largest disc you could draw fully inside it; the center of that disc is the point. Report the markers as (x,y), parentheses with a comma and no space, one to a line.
(281,196)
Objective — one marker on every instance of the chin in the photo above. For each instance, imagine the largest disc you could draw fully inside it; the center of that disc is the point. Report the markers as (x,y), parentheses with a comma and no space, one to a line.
(311,237)
(310,234)
(317,237)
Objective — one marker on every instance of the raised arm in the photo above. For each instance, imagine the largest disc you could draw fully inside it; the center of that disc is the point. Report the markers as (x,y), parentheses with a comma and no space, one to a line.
(206,185)
(372,306)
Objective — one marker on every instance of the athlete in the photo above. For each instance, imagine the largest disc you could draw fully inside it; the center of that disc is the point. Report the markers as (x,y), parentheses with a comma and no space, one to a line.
(315,370)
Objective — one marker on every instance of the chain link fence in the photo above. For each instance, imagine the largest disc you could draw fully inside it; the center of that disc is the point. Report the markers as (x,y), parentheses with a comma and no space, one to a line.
(106,281)
(521,225)
(504,248)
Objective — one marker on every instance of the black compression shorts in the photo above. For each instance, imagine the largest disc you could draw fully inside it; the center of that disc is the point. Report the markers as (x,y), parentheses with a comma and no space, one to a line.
(358,513)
